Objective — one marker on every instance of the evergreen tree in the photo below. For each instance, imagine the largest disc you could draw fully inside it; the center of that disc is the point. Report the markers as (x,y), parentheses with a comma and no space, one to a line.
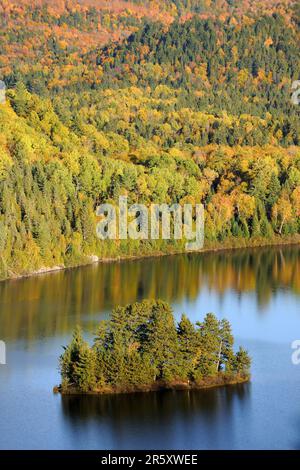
(242,361)
(77,364)
(162,342)
(189,345)
(211,345)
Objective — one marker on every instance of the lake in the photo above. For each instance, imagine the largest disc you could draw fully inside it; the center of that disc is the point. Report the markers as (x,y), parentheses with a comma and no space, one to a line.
(258,291)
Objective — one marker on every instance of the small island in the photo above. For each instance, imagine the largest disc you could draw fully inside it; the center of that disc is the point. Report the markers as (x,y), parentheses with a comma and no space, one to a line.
(141,348)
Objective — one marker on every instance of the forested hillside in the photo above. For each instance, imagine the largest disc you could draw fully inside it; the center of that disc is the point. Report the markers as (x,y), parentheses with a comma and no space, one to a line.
(164,104)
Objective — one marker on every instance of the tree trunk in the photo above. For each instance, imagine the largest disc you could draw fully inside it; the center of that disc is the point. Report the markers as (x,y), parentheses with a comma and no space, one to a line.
(219,358)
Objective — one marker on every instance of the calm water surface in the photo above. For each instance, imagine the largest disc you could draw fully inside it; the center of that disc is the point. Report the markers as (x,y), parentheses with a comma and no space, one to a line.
(257,290)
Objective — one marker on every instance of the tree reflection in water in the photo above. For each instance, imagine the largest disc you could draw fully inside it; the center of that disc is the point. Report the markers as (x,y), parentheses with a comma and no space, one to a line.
(160,414)
(51,304)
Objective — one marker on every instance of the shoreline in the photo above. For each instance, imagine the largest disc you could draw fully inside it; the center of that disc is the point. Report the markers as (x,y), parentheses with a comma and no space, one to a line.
(93,259)
(209,382)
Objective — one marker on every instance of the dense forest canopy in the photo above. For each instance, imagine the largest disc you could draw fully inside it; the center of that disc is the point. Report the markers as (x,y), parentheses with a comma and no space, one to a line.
(178,101)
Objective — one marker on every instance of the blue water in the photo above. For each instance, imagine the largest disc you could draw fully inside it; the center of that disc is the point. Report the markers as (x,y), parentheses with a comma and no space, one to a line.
(258,291)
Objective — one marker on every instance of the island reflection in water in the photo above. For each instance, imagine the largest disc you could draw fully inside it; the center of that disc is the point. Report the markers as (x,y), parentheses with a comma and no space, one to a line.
(159,414)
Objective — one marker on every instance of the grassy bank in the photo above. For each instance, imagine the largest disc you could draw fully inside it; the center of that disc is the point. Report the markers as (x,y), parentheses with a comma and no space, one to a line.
(219,380)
